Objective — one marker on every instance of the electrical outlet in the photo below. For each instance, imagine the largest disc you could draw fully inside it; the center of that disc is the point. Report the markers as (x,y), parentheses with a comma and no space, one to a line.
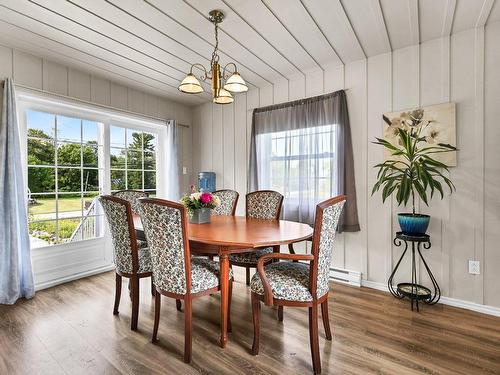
(184,170)
(474,267)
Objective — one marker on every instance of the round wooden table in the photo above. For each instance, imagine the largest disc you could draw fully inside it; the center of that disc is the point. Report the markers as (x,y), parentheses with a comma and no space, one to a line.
(225,235)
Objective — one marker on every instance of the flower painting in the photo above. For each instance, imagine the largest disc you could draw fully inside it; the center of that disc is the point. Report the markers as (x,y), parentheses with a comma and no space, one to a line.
(437,125)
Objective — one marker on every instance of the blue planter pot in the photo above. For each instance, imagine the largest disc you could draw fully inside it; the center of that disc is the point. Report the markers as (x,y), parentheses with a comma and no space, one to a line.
(413,224)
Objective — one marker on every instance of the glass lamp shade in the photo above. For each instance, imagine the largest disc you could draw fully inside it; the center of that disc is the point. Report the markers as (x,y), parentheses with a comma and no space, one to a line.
(235,83)
(224,97)
(190,85)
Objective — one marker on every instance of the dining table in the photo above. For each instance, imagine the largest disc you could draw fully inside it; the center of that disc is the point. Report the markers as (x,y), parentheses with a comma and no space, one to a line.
(225,235)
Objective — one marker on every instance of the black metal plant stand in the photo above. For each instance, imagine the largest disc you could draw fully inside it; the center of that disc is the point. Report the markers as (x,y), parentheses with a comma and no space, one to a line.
(414,291)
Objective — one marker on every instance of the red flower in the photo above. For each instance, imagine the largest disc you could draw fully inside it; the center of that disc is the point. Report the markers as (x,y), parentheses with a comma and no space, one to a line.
(206,198)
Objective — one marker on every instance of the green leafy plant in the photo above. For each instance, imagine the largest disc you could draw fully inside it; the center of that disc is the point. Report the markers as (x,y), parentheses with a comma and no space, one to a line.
(412,169)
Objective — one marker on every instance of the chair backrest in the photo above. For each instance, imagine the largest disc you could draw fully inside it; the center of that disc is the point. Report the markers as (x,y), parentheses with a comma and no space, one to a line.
(228,201)
(165,226)
(132,196)
(119,214)
(325,230)
(264,204)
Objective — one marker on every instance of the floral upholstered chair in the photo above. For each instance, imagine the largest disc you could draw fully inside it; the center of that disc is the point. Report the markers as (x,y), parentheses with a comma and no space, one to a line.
(131,256)
(299,284)
(262,204)
(175,273)
(132,196)
(228,201)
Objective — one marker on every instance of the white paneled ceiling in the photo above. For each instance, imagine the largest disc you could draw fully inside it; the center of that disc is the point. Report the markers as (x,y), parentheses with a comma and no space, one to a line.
(152,43)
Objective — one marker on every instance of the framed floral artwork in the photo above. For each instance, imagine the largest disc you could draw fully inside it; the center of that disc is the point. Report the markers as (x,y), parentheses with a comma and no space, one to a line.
(438,127)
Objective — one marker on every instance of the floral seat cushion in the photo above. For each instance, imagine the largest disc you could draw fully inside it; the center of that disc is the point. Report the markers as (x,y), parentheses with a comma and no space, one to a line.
(204,274)
(250,258)
(141,244)
(288,280)
(144,260)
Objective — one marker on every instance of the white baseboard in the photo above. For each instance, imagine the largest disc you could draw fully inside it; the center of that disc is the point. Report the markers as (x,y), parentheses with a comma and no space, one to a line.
(485,309)
(345,276)
(65,279)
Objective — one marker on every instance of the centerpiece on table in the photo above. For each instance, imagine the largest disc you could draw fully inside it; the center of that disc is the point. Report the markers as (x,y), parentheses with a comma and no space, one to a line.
(199,206)
(412,169)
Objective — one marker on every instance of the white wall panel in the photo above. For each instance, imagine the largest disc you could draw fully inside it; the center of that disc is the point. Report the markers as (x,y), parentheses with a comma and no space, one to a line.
(297,88)
(492,165)
(281,91)
(334,78)
(100,90)
(355,80)
(79,85)
(379,215)
(240,150)
(27,70)
(119,96)
(314,83)
(55,78)
(218,145)
(460,236)
(205,132)
(136,100)
(5,62)
(229,146)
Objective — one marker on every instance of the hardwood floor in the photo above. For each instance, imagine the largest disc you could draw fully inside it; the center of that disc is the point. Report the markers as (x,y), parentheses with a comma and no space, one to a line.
(71,329)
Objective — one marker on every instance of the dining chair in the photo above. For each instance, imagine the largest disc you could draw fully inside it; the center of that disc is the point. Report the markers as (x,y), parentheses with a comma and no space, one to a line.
(175,273)
(228,199)
(131,256)
(132,196)
(261,204)
(299,284)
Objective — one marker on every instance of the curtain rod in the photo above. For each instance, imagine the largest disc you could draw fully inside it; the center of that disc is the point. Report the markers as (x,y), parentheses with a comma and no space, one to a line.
(103,106)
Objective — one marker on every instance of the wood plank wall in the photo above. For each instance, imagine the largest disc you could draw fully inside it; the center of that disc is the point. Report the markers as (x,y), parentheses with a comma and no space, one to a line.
(462,68)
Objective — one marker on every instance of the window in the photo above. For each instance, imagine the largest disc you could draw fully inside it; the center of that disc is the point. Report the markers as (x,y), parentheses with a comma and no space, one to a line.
(301,164)
(132,159)
(69,166)
(65,171)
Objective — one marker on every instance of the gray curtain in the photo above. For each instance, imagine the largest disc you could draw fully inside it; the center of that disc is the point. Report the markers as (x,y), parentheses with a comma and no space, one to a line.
(173,181)
(16,276)
(299,142)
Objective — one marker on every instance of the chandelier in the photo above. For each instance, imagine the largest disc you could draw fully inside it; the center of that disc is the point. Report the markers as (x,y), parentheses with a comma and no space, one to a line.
(223,84)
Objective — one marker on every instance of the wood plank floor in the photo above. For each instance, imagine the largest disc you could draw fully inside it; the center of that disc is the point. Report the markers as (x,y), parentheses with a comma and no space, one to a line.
(70,329)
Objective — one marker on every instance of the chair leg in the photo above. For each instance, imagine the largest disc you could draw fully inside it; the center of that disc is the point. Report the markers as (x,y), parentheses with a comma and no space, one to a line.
(188,327)
(118,293)
(314,338)
(256,323)
(229,325)
(280,313)
(135,302)
(157,317)
(178,304)
(326,319)
(248,276)
(152,287)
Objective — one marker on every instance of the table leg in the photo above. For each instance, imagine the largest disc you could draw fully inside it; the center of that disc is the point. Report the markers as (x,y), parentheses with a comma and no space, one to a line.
(224,297)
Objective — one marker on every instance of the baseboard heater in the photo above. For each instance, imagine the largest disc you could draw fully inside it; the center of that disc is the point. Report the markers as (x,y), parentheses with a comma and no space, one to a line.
(345,276)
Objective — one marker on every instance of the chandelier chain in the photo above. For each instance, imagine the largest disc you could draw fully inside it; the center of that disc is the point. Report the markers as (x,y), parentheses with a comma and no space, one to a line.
(215,56)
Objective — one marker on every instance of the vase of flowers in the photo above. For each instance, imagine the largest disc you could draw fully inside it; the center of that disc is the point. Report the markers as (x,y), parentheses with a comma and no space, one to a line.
(412,170)
(199,206)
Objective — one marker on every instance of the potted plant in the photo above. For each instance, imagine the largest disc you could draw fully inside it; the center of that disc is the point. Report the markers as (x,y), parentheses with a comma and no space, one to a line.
(411,170)
(199,206)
